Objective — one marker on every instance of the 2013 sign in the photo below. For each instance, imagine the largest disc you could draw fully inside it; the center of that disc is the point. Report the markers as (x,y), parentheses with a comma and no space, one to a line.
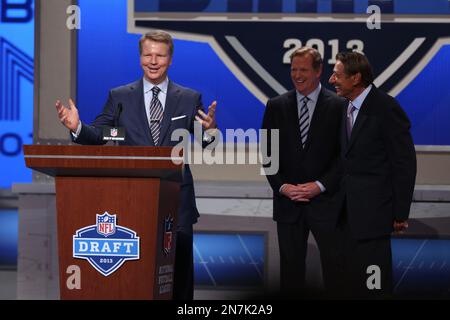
(293,44)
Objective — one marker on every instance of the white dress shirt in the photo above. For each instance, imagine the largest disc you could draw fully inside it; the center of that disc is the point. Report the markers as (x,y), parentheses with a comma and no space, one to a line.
(357,103)
(148,95)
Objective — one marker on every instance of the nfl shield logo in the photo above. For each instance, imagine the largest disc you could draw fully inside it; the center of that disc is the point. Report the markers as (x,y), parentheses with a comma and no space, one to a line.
(106,254)
(106,224)
(114,132)
(168,235)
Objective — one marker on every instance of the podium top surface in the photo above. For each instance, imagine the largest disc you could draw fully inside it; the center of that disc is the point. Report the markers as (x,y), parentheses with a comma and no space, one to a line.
(106,161)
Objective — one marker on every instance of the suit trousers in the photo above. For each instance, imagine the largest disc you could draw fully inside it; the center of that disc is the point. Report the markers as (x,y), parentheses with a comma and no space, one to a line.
(184,264)
(366,264)
(293,245)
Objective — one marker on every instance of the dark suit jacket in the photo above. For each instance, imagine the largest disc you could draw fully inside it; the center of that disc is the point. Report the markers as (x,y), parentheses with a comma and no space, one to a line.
(317,161)
(378,167)
(180,101)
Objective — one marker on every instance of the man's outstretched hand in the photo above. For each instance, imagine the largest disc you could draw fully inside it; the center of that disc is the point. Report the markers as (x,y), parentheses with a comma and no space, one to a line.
(68,115)
(208,121)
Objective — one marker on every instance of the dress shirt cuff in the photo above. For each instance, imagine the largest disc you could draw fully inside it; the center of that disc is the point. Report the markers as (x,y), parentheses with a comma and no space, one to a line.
(322,188)
(281,188)
(209,135)
(77,132)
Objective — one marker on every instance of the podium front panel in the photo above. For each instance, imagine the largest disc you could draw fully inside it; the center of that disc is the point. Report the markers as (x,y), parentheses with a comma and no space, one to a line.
(116,237)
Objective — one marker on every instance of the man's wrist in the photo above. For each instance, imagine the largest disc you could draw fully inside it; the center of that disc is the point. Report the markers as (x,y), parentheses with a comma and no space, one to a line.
(77,131)
(281,188)
(210,135)
(321,186)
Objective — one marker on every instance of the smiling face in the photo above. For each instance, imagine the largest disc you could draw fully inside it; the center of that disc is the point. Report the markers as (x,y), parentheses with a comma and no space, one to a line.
(345,85)
(155,60)
(304,77)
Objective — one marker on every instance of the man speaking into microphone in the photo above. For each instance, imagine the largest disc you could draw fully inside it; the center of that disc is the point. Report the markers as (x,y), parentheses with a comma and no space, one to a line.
(150,109)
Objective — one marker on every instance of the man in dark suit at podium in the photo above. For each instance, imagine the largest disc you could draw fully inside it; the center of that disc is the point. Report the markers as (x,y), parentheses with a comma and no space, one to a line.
(308,122)
(150,109)
(378,174)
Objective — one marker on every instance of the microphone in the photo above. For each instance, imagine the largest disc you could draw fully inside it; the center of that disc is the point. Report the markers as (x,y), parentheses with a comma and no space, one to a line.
(117,115)
(115,133)
(116,119)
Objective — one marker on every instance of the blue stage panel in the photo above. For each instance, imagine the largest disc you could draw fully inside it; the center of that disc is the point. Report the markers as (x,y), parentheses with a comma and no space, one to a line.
(8,238)
(421,267)
(229,260)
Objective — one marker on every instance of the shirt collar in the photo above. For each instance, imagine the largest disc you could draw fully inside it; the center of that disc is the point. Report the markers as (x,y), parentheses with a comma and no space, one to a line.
(148,86)
(360,99)
(313,96)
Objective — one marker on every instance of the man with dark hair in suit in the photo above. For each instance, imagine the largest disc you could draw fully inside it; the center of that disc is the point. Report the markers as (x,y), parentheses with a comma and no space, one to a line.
(153,107)
(378,164)
(308,120)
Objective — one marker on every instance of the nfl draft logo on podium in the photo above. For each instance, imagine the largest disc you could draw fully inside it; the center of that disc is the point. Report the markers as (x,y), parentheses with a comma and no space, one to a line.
(106,245)
(168,235)
(114,132)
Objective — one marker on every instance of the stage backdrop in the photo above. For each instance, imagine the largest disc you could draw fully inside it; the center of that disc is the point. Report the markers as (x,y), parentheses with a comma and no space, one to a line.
(236,52)
(233,51)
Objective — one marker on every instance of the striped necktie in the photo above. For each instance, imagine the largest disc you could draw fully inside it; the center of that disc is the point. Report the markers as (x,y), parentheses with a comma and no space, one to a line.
(304,121)
(156,115)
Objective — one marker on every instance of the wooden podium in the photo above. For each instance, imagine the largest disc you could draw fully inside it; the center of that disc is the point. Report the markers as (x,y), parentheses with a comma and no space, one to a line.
(131,255)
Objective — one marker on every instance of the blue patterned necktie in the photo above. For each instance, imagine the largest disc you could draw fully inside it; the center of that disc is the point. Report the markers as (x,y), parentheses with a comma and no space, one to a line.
(304,121)
(156,115)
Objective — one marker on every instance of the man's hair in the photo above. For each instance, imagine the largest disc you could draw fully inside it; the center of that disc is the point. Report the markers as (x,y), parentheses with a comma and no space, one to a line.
(304,51)
(355,62)
(158,36)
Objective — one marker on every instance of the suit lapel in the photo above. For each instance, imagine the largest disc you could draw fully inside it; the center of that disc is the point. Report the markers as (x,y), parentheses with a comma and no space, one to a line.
(315,124)
(344,140)
(357,127)
(292,114)
(360,119)
(172,99)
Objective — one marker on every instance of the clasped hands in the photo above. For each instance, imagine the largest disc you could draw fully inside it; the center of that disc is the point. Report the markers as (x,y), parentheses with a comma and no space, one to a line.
(306,191)
(301,192)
